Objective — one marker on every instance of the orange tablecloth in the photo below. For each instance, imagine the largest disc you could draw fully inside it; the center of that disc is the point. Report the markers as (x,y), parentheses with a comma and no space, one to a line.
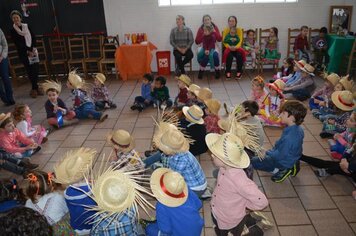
(134,59)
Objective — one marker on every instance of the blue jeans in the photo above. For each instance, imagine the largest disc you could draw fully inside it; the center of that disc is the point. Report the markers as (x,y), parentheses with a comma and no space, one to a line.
(87,110)
(212,58)
(141,100)
(300,94)
(152,159)
(5,83)
(313,105)
(267,164)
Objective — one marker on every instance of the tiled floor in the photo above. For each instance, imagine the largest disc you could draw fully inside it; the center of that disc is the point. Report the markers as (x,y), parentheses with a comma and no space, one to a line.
(303,205)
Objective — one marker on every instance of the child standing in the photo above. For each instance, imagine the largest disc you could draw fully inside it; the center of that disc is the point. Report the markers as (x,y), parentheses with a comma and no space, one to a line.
(58,114)
(301,46)
(250,45)
(145,100)
(286,69)
(100,93)
(283,159)
(271,46)
(182,97)
(160,93)
(258,92)
(83,105)
(212,116)
(323,95)
(320,46)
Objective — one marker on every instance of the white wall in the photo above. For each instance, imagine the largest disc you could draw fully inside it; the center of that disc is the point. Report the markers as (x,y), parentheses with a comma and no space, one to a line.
(130,16)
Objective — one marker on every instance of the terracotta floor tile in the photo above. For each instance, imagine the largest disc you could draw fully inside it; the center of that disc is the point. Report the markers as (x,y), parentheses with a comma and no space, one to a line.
(50,147)
(82,129)
(347,206)
(208,168)
(272,231)
(144,122)
(142,145)
(207,214)
(328,222)
(59,154)
(142,133)
(273,131)
(209,232)
(304,230)
(306,176)
(353,226)
(99,134)
(277,190)
(313,149)
(128,126)
(337,185)
(314,197)
(97,145)
(107,124)
(288,211)
(315,129)
(74,141)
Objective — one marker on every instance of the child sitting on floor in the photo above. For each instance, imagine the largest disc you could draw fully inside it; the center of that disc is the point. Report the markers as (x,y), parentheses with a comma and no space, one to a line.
(160,93)
(286,69)
(182,97)
(145,100)
(258,92)
(9,195)
(203,94)
(294,77)
(23,118)
(100,93)
(58,114)
(282,159)
(192,98)
(301,45)
(323,95)
(250,45)
(212,116)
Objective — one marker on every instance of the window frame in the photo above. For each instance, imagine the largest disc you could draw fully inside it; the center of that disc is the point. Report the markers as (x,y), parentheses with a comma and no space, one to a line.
(222,3)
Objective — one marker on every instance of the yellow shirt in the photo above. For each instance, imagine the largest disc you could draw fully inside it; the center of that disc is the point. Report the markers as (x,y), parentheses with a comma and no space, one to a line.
(239,33)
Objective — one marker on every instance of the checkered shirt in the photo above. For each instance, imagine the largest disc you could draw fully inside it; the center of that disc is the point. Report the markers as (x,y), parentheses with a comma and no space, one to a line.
(80,97)
(211,123)
(100,93)
(131,159)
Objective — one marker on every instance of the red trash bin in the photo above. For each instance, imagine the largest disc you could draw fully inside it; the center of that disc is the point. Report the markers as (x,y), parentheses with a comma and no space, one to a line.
(163,62)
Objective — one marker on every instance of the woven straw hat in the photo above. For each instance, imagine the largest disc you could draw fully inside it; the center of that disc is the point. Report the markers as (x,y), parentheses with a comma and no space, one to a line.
(229,149)
(194,114)
(50,84)
(74,165)
(309,69)
(347,83)
(213,105)
(4,116)
(169,187)
(75,80)
(300,64)
(333,78)
(101,77)
(204,94)
(277,85)
(193,88)
(170,141)
(224,124)
(343,100)
(121,140)
(185,79)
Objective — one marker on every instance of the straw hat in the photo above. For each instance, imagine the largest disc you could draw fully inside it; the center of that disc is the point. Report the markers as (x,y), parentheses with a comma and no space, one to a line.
(229,149)
(347,83)
(73,166)
(213,105)
(224,124)
(185,79)
(300,64)
(343,100)
(194,114)
(309,69)
(121,140)
(193,88)
(170,141)
(4,116)
(75,80)
(277,85)
(333,78)
(101,77)
(169,187)
(204,94)
(50,84)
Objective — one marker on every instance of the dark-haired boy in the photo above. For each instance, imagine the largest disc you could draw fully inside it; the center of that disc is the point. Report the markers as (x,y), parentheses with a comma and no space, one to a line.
(145,100)
(320,47)
(160,93)
(283,159)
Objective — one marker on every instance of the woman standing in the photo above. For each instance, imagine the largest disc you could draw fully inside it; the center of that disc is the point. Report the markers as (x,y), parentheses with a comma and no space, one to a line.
(25,42)
(5,83)
(235,51)
(203,57)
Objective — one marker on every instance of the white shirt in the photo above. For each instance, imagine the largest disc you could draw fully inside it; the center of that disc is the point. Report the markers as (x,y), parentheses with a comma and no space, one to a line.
(23,127)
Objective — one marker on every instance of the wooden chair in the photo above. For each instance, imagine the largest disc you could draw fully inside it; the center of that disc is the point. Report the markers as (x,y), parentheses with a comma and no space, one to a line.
(262,35)
(249,57)
(59,56)
(42,53)
(77,54)
(292,35)
(312,33)
(94,52)
(110,43)
(188,65)
(17,69)
(351,65)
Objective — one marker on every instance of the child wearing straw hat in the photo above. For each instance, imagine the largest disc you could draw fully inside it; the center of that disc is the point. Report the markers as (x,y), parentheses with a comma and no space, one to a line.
(322,95)
(58,114)
(212,116)
(183,82)
(234,192)
(83,105)
(294,77)
(100,93)
(177,209)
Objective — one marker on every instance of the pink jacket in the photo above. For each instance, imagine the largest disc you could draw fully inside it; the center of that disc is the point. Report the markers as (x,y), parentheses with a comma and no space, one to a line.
(10,142)
(200,35)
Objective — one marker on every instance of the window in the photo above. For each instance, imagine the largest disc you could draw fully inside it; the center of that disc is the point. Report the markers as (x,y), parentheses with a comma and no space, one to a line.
(204,2)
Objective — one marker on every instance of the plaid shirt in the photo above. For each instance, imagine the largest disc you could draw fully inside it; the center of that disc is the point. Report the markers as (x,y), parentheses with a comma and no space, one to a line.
(301,43)
(124,224)
(100,93)
(211,123)
(182,39)
(187,165)
(80,97)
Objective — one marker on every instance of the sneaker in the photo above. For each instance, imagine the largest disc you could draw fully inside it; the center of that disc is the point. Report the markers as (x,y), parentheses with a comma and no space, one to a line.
(156,165)
(228,75)
(27,164)
(112,106)
(200,74)
(140,107)
(255,230)
(238,75)
(44,140)
(103,117)
(296,168)
(206,195)
(281,175)
(246,231)
(321,172)
(324,134)
(133,107)
(217,74)
(37,149)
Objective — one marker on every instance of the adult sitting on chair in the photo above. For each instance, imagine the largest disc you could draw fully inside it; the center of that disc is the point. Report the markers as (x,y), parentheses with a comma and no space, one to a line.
(181,39)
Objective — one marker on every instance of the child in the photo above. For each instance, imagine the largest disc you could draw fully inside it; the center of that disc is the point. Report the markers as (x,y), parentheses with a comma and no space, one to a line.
(291,79)
(301,46)
(258,92)
(145,100)
(269,114)
(203,94)
(271,46)
(250,45)
(182,98)
(160,93)
(320,46)
(323,95)
(232,40)
(234,192)
(282,159)
(286,69)
(23,118)
(9,195)
(177,209)
(192,98)
(347,83)
(58,115)
(13,140)
(83,105)
(123,145)
(100,93)
(10,163)
(212,116)
(303,88)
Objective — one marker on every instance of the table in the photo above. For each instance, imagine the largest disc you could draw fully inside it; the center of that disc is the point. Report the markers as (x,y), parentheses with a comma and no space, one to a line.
(339,46)
(134,60)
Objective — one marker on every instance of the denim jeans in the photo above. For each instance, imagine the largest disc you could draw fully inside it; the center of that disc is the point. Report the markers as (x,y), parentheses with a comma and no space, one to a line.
(87,110)
(267,164)
(212,58)
(152,159)
(168,102)
(5,83)
(10,163)
(141,100)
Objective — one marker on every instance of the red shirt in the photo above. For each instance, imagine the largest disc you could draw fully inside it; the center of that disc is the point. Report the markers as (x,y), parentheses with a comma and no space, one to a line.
(301,43)
(183,95)
(211,124)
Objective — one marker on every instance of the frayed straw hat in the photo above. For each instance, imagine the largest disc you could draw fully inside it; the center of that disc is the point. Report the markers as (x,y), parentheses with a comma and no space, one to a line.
(229,149)
(224,124)
(333,78)
(101,77)
(121,140)
(194,114)
(213,105)
(193,88)
(170,141)
(185,79)
(74,165)
(4,116)
(300,64)
(75,80)
(204,94)
(50,84)
(169,187)
(277,85)
(309,69)
(347,83)
(343,100)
